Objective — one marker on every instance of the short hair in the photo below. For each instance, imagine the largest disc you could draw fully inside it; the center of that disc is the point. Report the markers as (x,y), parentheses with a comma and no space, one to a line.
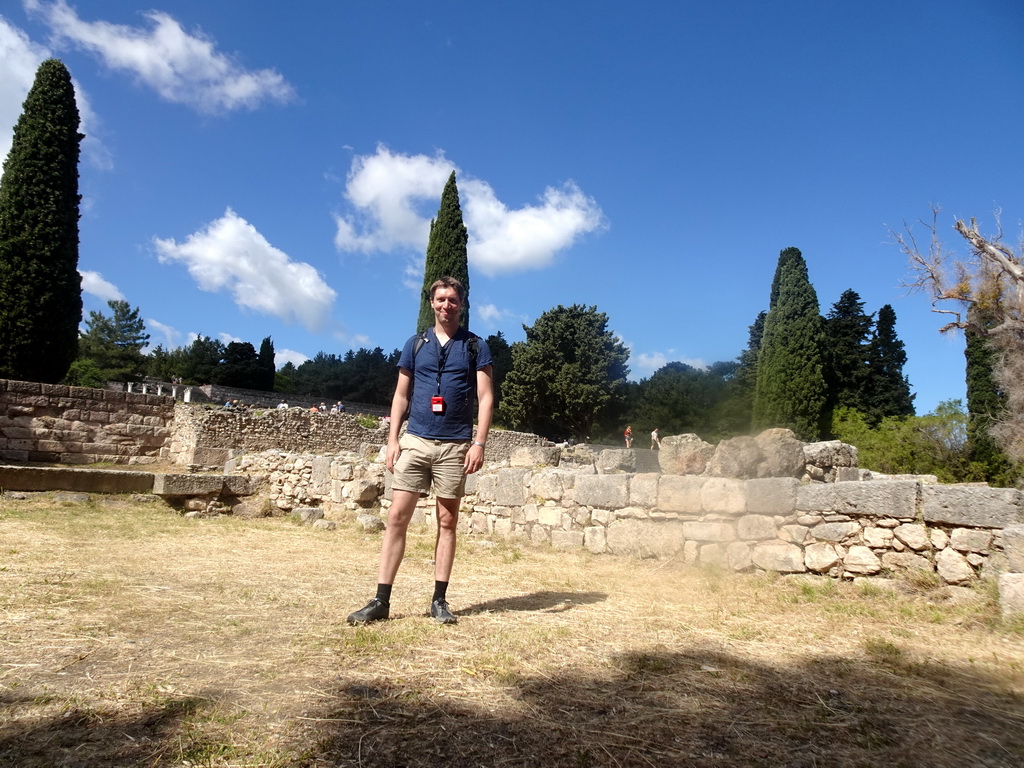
(448,282)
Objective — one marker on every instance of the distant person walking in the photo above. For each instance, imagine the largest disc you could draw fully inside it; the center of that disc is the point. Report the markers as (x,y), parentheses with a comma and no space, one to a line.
(655,440)
(628,434)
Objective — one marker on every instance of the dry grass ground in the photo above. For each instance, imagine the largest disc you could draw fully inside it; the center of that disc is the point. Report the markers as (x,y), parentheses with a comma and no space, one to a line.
(132,637)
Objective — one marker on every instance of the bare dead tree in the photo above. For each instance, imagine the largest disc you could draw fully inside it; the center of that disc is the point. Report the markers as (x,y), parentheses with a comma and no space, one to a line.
(983,293)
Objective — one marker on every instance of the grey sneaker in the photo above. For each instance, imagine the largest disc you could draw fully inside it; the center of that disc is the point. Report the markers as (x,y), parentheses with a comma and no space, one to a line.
(439,611)
(375,610)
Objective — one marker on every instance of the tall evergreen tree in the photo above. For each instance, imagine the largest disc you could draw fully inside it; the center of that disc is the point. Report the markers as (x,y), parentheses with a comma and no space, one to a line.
(447,254)
(267,366)
(790,390)
(40,288)
(888,391)
(115,343)
(846,353)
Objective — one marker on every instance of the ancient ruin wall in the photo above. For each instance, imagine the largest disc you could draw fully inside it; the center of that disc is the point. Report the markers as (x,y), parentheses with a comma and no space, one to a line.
(212,436)
(78,425)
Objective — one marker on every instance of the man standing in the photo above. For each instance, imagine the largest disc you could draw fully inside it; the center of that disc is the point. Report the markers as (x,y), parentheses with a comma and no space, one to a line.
(440,372)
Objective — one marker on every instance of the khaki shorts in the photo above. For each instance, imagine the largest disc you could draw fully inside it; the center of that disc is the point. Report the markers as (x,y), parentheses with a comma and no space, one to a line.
(422,462)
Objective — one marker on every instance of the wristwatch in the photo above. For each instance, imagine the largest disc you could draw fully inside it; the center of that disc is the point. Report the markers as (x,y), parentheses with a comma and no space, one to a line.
(482,445)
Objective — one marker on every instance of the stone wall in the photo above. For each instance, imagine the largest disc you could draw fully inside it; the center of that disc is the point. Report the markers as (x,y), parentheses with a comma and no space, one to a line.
(848,528)
(212,436)
(77,425)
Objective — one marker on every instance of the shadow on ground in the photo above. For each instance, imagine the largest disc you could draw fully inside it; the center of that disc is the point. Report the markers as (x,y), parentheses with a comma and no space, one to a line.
(697,708)
(547,601)
(86,738)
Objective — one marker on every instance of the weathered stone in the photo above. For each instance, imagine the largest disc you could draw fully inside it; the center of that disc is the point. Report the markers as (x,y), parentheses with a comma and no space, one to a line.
(511,488)
(612,461)
(325,525)
(738,556)
(1013,546)
(971,540)
(797,534)
(953,567)
(539,534)
(830,454)
(1011,593)
(680,493)
(714,555)
(835,532)
(973,506)
(550,516)
(547,485)
(567,539)
(724,496)
(605,491)
(643,489)
(684,455)
(877,537)
(307,514)
(737,457)
(891,498)
(905,561)
(480,523)
(691,552)
(820,557)
(782,454)
(860,559)
(251,506)
(753,527)
(779,556)
(535,456)
(645,538)
(361,491)
(709,531)
(187,485)
(370,523)
(913,535)
(771,496)
(595,540)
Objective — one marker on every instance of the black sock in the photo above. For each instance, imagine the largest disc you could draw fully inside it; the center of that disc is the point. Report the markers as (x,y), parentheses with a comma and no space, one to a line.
(384,593)
(440,590)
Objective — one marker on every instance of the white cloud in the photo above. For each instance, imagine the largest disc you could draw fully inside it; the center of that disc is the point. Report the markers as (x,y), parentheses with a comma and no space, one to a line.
(395,196)
(283,356)
(19,60)
(231,255)
(227,338)
(492,316)
(182,67)
(94,284)
(20,57)
(644,364)
(170,335)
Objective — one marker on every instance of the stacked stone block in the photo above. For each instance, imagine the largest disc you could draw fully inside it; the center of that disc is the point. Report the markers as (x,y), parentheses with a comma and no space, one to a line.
(78,425)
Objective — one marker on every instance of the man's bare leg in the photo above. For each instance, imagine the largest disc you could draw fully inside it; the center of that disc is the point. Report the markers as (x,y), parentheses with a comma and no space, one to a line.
(444,545)
(392,548)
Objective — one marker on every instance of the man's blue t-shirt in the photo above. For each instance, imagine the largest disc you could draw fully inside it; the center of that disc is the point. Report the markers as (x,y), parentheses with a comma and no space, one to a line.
(457,385)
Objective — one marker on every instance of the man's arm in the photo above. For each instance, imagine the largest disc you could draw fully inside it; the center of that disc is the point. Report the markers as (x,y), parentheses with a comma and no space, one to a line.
(399,408)
(485,397)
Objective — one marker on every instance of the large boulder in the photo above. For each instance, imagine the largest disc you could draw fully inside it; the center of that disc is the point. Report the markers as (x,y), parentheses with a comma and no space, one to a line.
(684,455)
(782,454)
(737,457)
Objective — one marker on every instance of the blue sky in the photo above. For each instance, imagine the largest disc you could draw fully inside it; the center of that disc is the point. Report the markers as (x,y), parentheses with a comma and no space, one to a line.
(261,169)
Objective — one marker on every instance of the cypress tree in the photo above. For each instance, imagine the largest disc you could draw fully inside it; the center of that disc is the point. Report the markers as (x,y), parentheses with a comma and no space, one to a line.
(888,390)
(40,288)
(986,404)
(447,254)
(790,388)
(266,365)
(848,331)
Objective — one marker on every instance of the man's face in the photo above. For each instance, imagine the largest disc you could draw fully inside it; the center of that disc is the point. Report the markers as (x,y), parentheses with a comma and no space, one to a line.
(446,304)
